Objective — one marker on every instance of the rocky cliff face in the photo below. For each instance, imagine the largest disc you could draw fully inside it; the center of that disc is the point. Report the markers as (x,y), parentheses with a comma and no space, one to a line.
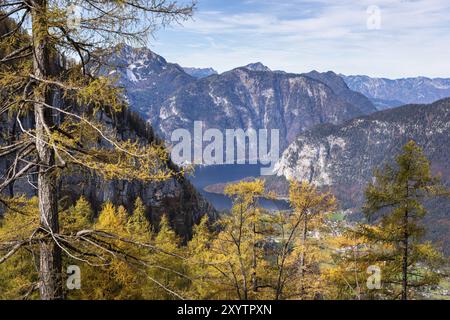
(387,93)
(175,197)
(343,157)
(338,85)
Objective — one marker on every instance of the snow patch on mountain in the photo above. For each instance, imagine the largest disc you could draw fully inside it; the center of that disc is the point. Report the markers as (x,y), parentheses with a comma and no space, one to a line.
(131,76)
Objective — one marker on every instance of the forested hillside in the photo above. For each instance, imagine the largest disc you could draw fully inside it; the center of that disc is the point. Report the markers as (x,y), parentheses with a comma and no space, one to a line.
(344,157)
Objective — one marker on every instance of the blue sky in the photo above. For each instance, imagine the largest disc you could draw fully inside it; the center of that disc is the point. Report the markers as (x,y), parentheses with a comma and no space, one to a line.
(403,37)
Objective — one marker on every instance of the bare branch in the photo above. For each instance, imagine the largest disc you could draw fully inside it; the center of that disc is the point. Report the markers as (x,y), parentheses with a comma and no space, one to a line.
(12,252)
(18,27)
(16,54)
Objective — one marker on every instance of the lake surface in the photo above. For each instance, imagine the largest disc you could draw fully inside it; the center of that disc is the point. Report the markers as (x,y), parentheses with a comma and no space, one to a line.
(208,175)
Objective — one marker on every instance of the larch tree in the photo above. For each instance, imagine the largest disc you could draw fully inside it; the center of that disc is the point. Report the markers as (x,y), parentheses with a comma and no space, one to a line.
(18,272)
(168,270)
(395,202)
(228,263)
(135,263)
(245,196)
(348,274)
(297,252)
(64,100)
(199,262)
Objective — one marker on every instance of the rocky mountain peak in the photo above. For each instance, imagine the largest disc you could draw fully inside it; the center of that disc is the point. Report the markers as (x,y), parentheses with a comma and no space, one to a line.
(125,56)
(257,66)
(146,76)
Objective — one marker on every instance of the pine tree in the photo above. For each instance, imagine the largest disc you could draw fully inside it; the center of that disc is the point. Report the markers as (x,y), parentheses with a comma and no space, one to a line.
(66,99)
(395,202)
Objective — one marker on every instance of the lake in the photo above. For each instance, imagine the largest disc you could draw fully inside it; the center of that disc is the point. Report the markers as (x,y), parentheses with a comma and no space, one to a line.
(208,175)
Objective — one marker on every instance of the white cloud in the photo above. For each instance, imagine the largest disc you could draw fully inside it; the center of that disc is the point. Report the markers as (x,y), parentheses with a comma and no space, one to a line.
(298,36)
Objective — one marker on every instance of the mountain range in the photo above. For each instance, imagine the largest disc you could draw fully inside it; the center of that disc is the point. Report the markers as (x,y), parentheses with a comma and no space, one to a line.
(252,96)
(147,78)
(244,98)
(387,93)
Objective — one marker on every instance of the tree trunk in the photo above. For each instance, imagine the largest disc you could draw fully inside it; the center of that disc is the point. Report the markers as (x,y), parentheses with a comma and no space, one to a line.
(254,262)
(405,257)
(303,256)
(405,244)
(50,286)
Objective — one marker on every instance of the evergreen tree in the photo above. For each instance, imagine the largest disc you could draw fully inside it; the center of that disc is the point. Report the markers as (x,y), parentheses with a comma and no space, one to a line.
(395,202)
